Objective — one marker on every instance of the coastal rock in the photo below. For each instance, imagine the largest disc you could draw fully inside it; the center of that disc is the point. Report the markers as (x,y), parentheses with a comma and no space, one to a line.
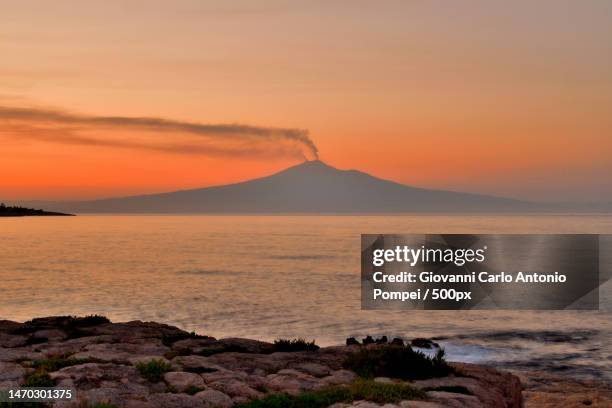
(9,340)
(169,400)
(21,353)
(339,377)
(486,395)
(247,345)
(419,404)
(237,371)
(121,394)
(292,382)
(137,329)
(11,374)
(238,390)
(92,375)
(314,369)
(546,390)
(454,400)
(8,326)
(196,364)
(502,387)
(401,404)
(214,399)
(193,346)
(123,352)
(181,381)
(50,334)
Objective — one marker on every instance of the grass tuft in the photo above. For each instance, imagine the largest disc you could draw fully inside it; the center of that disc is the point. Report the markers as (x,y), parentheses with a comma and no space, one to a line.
(153,370)
(397,362)
(39,378)
(359,390)
(292,345)
(55,363)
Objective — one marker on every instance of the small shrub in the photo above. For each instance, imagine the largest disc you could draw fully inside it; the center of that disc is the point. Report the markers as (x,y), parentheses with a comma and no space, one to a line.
(294,345)
(39,378)
(358,390)
(153,370)
(397,362)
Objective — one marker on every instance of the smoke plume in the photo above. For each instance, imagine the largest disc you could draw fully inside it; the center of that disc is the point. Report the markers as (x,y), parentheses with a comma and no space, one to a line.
(57,126)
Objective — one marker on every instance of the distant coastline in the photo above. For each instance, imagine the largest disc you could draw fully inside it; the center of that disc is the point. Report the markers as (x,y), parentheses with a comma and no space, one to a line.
(15,211)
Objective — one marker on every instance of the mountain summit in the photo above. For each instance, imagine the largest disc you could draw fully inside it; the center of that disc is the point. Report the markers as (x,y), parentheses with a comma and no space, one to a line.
(310,187)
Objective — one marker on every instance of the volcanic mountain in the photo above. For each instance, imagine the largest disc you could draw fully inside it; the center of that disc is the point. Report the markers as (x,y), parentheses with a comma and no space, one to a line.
(310,187)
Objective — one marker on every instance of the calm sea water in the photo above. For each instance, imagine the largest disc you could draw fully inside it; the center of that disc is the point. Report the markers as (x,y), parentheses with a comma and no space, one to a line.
(280,276)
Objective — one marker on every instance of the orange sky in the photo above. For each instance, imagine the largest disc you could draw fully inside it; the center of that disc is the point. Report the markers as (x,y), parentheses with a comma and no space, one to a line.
(506,98)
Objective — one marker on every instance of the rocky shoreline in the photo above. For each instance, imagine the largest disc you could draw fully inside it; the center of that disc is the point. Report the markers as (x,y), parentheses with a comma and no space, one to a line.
(147,364)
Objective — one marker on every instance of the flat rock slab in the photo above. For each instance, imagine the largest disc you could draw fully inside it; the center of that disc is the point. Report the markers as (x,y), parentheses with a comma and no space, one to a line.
(123,352)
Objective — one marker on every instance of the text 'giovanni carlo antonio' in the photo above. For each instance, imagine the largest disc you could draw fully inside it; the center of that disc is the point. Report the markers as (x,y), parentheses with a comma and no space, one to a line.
(410,256)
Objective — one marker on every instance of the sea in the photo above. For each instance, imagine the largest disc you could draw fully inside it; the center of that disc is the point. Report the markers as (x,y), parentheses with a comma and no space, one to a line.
(269,277)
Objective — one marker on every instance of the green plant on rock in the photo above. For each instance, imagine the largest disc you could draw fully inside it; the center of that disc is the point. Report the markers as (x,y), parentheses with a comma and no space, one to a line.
(153,370)
(39,378)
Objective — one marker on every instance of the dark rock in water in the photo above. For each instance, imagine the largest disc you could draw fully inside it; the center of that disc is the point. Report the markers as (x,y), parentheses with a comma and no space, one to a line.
(367,340)
(424,343)
(397,341)
(351,341)
(382,340)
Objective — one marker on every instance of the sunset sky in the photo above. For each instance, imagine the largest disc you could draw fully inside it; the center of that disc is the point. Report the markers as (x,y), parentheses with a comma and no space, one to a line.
(504,98)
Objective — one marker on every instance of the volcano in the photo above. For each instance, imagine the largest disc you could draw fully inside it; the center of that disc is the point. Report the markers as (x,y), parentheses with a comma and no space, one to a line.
(307,188)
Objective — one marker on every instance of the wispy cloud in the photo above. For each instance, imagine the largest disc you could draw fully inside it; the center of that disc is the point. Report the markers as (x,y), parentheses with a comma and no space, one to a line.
(62,127)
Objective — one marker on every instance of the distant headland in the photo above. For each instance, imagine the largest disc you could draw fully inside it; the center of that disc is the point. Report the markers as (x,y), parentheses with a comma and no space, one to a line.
(14,211)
